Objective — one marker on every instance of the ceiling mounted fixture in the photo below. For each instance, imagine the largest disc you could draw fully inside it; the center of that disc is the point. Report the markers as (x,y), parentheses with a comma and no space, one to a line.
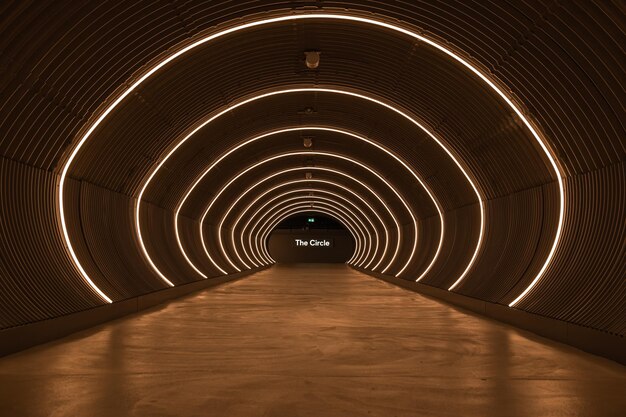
(308,111)
(307,141)
(312,59)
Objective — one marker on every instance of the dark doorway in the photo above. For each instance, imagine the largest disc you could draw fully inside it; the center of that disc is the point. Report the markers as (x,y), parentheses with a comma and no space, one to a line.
(311,238)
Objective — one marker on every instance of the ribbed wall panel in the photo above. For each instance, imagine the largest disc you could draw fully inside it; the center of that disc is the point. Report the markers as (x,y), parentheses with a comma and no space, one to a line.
(50,76)
(37,280)
(427,241)
(591,257)
(461,232)
(365,119)
(548,196)
(158,237)
(118,167)
(108,228)
(212,246)
(75,230)
(514,228)
(190,239)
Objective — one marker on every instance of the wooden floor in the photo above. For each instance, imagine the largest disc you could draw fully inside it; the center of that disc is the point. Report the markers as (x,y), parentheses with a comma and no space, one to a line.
(307,340)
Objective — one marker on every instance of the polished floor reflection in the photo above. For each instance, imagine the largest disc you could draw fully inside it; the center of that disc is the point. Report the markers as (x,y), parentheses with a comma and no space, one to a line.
(308,340)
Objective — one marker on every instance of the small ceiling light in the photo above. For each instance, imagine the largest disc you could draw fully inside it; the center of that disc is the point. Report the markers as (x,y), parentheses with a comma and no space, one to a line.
(307,141)
(308,175)
(312,59)
(307,111)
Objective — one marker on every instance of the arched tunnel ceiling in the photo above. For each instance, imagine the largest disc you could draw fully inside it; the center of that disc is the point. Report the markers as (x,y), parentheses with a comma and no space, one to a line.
(561,65)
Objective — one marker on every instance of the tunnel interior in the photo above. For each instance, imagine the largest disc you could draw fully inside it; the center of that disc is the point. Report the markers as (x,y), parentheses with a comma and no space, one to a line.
(472,147)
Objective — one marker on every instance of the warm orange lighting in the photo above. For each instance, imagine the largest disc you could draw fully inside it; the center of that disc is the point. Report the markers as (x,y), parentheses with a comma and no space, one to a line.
(300,128)
(348,220)
(285,194)
(289,154)
(294,17)
(307,208)
(334,171)
(341,186)
(348,213)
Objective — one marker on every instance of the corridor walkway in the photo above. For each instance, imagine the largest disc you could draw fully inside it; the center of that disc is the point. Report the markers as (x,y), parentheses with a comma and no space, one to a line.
(308,340)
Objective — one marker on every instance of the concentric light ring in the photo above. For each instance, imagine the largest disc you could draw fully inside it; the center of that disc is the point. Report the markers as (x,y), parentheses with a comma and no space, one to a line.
(324,169)
(350,219)
(295,17)
(289,193)
(341,186)
(300,153)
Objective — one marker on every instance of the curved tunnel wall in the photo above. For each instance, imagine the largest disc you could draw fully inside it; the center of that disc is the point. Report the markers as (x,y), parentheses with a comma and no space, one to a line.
(65,65)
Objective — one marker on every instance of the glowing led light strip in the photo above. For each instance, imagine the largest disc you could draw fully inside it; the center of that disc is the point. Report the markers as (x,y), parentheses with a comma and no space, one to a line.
(299,190)
(293,17)
(359,254)
(269,159)
(375,144)
(306,209)
(261,218)
(295,209)
(349,219)
(289,154)
(286,215)
(335,91)
(352,216)
(341,186)
(334,171)
(261,235)
(292,129)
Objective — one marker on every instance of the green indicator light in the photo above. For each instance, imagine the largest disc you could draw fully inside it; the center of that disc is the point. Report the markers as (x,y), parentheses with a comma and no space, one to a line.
(311,220)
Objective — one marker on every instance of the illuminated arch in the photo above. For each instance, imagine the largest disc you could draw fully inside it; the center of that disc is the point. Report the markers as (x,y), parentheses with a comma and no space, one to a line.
(231,207)
(294,17)
(356,219)
(350,191)
(300,153)
(298,190)
(318,128)
(349,218)
(304,209)
(324,169)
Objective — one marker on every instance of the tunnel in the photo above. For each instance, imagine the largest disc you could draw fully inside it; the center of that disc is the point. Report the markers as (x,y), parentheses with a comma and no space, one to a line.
(298,207)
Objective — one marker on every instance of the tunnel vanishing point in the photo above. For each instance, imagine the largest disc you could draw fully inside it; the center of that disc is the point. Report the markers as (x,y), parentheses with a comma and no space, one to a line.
(471,152)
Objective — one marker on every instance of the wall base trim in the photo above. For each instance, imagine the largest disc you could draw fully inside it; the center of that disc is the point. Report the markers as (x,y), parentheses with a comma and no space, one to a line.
(587,339)
(15,339)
